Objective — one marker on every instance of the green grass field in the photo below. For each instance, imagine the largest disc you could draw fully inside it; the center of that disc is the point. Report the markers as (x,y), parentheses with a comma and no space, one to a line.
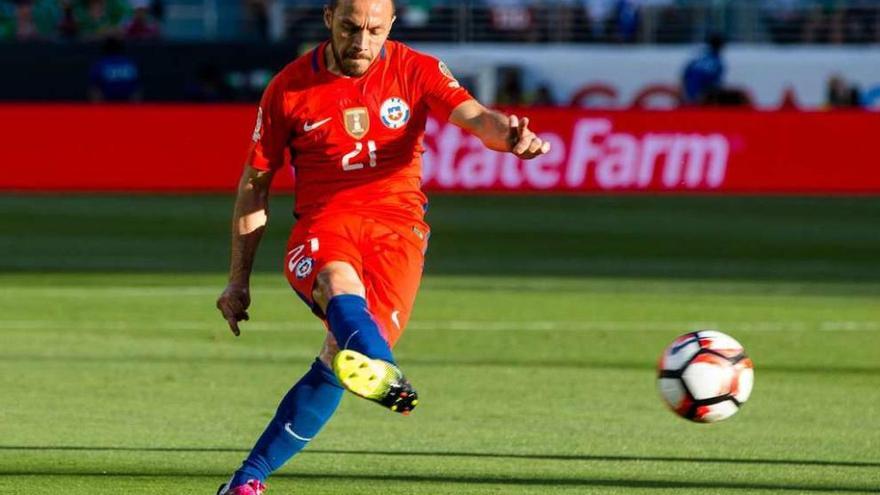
(533,345)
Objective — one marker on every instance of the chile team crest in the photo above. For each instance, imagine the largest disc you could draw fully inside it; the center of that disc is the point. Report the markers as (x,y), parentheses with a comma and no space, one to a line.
(394,113)
(304,268)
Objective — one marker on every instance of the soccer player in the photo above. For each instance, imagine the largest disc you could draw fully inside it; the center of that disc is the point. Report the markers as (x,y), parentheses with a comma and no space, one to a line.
(351,113)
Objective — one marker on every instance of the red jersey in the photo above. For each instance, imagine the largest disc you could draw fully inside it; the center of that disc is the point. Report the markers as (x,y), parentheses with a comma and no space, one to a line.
(355,143)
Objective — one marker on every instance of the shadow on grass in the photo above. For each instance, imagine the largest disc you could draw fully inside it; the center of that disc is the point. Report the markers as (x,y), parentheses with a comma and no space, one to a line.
(811,239)
(270,361)
(550,364)
(498,480)
(466,455)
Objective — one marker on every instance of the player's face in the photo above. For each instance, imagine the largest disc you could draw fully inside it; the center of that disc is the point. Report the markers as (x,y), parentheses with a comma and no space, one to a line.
(358,30)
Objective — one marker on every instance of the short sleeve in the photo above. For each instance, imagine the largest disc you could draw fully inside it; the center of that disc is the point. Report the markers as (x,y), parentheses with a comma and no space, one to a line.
(271,133)
(442,92)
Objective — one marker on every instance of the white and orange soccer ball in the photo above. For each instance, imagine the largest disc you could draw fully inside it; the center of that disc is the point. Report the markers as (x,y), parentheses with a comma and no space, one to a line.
(705,376)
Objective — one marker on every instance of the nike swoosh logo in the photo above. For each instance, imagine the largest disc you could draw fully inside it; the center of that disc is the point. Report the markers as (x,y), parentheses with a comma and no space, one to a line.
(289,429)
(394,318)
(314,125)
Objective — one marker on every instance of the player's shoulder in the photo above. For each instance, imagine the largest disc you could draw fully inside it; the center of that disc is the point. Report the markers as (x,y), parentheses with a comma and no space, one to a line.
(409,56)
(299,74)
(419,64)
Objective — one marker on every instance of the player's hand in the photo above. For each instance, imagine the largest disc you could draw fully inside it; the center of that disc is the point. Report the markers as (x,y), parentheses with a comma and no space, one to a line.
(524,143)
(233,303)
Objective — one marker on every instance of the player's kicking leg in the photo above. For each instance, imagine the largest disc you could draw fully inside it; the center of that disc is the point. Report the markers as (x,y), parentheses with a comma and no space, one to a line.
(364,363)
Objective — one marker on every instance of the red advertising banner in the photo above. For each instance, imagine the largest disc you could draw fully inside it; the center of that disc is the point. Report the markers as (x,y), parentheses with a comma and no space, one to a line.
(123,148)
(201,148)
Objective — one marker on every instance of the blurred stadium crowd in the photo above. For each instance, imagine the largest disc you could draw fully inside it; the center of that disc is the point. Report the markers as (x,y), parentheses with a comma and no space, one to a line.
(601,21)
(177,50)
(79,20)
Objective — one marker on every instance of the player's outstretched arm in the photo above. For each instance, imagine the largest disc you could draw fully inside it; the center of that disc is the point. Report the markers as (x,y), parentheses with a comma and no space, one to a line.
(498,131)
(248,223)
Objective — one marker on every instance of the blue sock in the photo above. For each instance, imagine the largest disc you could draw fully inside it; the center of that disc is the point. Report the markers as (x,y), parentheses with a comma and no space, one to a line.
(354,327)
(300,416)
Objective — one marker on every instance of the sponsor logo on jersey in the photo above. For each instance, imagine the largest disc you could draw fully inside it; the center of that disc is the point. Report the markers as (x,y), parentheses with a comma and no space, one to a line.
(311,126)
(258,129)
(357,122)
(394,113)
(304,268)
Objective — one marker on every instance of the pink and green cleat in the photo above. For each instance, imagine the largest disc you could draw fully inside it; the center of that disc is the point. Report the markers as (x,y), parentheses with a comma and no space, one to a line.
(252,487)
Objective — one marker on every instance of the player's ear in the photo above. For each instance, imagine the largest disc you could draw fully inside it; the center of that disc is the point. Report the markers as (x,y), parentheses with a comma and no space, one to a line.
(328,17)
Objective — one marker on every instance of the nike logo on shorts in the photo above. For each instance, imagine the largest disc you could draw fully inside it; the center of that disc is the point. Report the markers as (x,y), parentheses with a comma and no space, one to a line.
(308,127)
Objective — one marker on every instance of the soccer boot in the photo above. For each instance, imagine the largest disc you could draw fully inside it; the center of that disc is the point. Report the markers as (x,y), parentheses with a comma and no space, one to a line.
(252,487)
(375,380)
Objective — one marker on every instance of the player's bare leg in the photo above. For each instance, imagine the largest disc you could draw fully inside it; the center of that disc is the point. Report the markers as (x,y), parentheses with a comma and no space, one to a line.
(355,349)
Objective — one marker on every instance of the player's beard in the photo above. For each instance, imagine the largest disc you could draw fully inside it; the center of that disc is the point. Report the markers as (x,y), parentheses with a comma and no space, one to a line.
(348,65)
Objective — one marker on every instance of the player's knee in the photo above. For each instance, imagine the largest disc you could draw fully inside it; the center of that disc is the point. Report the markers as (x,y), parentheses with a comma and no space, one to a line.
(334,279)
(329,350)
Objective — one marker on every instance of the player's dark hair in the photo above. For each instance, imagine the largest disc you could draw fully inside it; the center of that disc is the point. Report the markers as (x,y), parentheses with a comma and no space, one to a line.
(332,4)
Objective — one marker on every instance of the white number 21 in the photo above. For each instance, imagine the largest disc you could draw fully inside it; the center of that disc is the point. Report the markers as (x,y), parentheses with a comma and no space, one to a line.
(358,147)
